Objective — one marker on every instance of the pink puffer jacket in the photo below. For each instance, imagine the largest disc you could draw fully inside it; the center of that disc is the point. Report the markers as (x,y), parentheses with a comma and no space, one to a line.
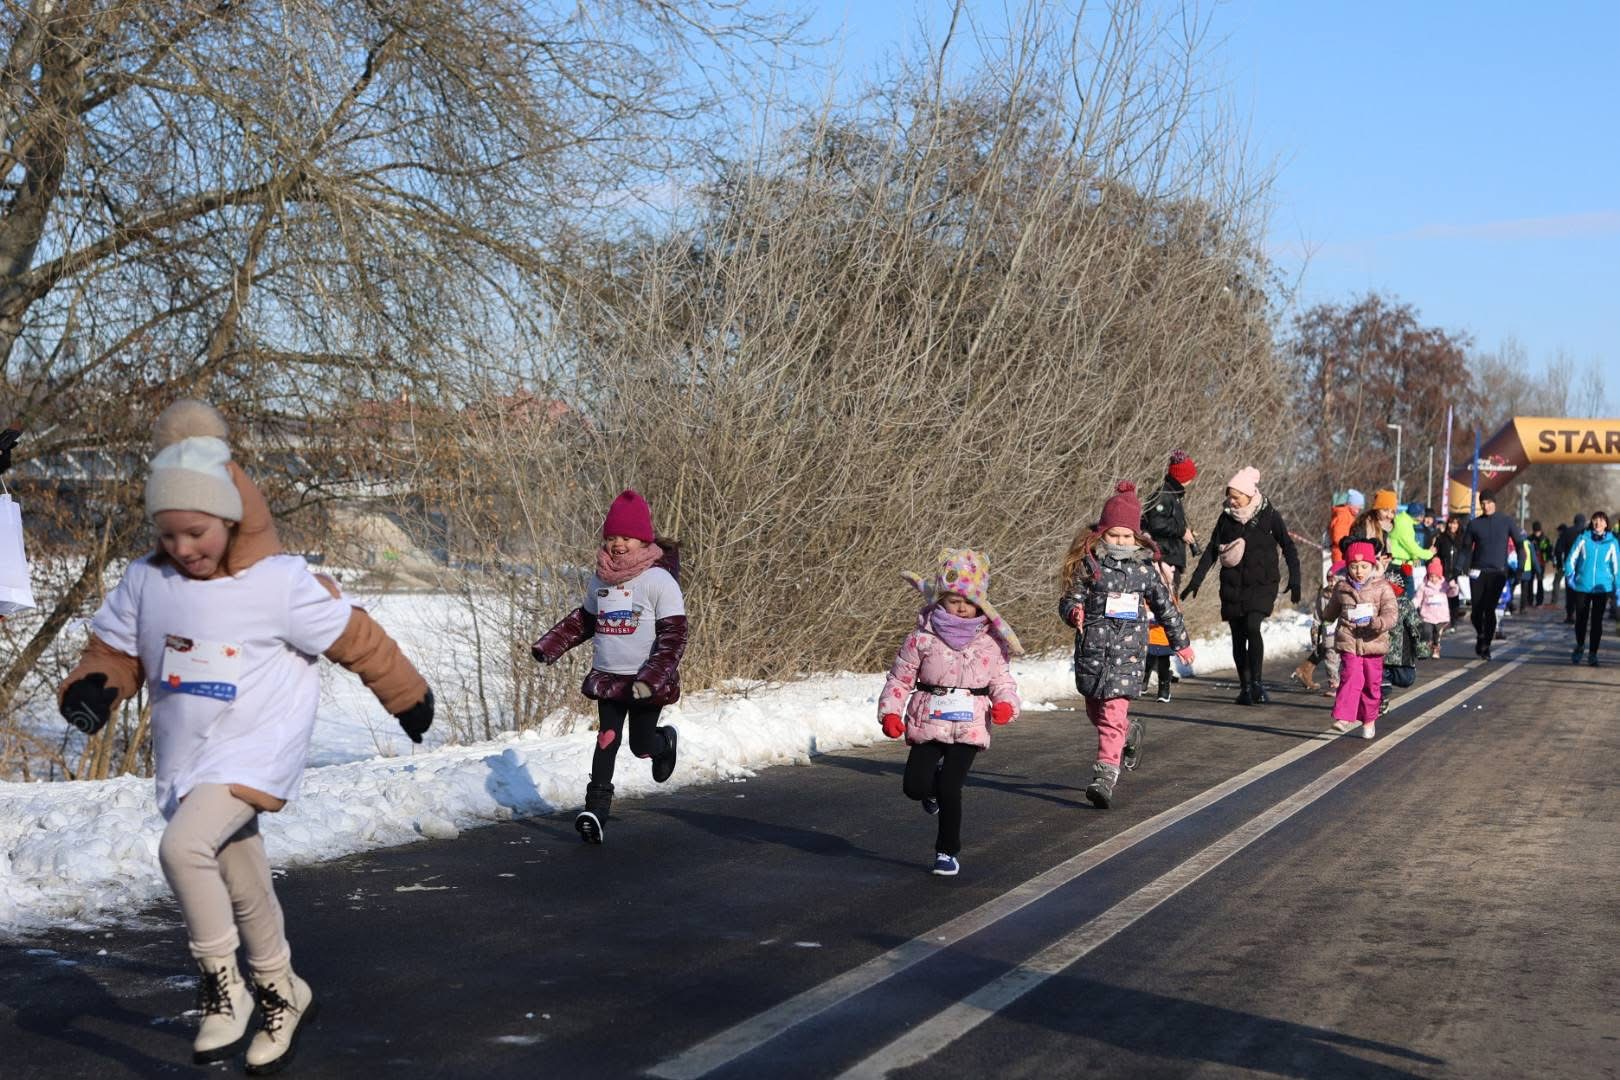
(924,658)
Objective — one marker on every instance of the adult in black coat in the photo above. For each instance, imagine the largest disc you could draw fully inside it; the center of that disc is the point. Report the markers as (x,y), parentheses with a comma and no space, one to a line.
(1247,538)
(1164,514)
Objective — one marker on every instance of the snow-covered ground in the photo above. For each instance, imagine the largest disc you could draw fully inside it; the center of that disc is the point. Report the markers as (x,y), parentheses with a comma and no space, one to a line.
(85,853)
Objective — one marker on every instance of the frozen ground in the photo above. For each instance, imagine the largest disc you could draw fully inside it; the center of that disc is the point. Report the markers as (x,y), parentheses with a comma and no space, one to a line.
(85,853)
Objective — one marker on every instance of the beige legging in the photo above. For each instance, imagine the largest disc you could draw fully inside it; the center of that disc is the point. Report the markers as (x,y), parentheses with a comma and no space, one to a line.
(213,856)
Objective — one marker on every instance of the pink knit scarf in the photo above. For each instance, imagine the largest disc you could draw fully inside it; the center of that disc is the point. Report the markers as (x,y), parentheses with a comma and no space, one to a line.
(617,571)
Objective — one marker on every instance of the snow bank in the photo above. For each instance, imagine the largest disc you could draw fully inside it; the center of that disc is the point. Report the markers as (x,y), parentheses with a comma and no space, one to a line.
(86,853)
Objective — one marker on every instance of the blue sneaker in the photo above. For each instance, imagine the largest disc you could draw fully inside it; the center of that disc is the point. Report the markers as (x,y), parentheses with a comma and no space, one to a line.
(946,865)
(930,806)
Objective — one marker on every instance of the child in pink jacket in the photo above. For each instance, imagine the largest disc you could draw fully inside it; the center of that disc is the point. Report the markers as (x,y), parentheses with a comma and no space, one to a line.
(1433,602)
(947,686)
(1364,603)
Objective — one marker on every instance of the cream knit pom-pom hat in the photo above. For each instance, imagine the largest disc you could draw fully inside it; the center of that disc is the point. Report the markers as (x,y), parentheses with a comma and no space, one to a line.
(189,470)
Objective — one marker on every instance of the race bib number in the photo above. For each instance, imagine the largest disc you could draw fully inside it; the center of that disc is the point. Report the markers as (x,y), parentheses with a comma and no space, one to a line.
(1123,605)
(951,707)
(209,669)
(615,612)
(1362,613)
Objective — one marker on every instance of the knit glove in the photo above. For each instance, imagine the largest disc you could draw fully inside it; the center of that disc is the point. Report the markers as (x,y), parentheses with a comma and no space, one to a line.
(87,704)
(1001,712)
(1186,655)
(640,690)
(893,726)
(1293,591)
(1077,617)
(418,718)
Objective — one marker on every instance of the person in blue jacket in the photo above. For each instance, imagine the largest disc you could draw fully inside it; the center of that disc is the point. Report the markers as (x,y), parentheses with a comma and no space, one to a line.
(1591,573)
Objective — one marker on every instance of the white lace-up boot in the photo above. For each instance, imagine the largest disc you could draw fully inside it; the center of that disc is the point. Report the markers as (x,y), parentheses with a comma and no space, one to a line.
(226,1005)
(287,1005)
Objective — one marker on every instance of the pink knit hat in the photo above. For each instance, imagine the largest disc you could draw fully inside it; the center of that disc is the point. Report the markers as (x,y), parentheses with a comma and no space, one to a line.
(1436,567)
(1361,551)
(629,516)
(1246,480)
(1123,510)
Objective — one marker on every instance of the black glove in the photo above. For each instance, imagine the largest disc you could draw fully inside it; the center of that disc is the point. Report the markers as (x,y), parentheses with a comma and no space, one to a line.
(87,704)
(418,718)
(1188,592)
(1293,591)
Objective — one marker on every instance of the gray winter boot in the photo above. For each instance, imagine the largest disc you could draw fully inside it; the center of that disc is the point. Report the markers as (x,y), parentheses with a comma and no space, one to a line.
(1101,789)
(1132,755)
(589,823)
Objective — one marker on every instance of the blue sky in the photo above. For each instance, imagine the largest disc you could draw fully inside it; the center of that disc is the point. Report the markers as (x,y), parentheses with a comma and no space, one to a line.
(1462,157)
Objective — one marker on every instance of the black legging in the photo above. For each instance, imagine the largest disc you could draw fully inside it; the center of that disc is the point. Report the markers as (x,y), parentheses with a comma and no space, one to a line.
(926,776)
(1248,648)
(1487,591)
(1589,608)
(645,738)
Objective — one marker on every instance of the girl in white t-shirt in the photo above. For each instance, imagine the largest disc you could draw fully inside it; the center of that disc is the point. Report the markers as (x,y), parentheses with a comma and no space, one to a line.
(224,630)
(634,611)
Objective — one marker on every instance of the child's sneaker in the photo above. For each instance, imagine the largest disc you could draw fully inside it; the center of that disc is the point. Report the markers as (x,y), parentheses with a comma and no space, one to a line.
(1132,755)
(1164,692)
(946,865)
(589,827)
(1101,789)
(1341,726)
(1369,731)
(664,764)
(930,806)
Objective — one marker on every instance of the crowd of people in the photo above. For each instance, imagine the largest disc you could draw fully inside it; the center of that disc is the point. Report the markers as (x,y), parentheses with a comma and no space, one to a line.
(223,631)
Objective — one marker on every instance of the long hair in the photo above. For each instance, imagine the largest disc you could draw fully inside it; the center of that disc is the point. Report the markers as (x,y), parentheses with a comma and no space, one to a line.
(1085,544)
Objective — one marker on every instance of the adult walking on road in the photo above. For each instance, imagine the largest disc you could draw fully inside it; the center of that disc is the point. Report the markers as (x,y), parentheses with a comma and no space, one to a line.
(1164,515)
(1484,552)
(1448,549)
(1247,538)
(1566,540)
(1592,573)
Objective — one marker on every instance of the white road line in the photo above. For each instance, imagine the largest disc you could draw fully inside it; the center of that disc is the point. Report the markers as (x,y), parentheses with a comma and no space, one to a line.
(754,1032)
(932,1036)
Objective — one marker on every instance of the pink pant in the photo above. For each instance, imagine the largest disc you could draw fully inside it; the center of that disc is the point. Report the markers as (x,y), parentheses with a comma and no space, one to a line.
(1361,686)
(1108,714)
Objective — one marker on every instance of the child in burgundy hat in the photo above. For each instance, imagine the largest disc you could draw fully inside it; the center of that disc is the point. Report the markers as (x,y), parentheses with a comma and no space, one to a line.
(634,610)
(1109,585)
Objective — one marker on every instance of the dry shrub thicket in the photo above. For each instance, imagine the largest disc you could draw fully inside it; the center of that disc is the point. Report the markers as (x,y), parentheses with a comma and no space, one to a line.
(402,245)
(953,313)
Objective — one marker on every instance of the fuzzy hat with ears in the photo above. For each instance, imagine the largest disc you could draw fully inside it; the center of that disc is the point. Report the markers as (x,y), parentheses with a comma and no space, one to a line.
(966,573)
(191,468)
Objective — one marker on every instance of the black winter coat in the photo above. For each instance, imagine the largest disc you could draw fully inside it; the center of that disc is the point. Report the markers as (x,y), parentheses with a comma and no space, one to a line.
(1109,654)
(1251,586)
(1164,517)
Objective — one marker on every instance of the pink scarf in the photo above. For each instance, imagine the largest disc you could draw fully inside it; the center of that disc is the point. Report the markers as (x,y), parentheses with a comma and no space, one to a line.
(617,571)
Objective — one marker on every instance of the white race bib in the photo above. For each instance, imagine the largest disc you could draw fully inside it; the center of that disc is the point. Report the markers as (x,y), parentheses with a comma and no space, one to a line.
(1361,612)
(952,707)
(209,669)
(1123,605)
(615,611)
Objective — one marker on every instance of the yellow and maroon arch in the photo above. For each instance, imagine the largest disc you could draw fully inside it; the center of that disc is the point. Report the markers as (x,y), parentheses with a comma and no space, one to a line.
(1536,440)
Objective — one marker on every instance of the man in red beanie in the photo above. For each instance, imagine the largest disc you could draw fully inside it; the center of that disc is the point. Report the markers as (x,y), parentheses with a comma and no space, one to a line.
(1164,515)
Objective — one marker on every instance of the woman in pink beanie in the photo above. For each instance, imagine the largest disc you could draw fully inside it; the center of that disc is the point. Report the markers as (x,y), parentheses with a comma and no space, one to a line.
(634,610)
(1110,584)
(1247,538)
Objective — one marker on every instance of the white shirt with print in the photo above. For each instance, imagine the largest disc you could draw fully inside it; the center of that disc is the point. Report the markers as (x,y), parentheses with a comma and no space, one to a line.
(231,667)
(625,617)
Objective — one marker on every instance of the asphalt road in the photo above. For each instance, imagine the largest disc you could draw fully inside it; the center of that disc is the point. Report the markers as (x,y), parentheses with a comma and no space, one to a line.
(1442,901)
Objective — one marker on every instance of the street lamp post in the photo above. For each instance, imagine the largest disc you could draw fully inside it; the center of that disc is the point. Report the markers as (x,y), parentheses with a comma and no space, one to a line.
(1397,428)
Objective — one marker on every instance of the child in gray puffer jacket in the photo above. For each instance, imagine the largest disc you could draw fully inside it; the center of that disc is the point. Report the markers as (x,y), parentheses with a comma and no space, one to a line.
(1110,584)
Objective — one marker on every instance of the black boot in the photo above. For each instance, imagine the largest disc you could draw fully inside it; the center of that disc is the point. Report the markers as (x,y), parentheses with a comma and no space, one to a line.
(1257,692)
(664,764)
(598,800)
(1244,697)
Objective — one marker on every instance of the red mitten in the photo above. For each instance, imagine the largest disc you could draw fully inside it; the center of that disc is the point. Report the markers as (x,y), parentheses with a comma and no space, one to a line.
(1001,712)
(893,726)
(1186,655)
(1077,617)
